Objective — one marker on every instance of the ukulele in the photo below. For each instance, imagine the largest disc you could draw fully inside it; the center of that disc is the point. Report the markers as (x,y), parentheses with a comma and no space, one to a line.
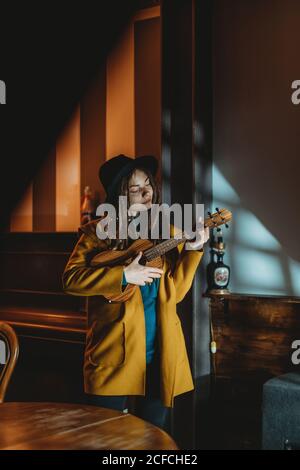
(152,254)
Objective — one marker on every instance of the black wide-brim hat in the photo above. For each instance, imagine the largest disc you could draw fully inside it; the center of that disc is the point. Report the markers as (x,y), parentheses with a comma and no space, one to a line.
(116,168)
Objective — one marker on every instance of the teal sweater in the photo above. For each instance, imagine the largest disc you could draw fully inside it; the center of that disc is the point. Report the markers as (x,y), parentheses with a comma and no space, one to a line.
(149,295)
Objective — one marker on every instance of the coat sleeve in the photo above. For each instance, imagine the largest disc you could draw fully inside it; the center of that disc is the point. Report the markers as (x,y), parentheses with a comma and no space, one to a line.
(81,279)
(185,268)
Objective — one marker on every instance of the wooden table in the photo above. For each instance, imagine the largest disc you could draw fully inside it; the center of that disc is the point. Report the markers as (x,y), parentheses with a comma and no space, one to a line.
(67,426)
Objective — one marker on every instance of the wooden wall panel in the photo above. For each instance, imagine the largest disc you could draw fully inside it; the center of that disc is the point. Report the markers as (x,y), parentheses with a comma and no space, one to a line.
(44,196)
(147,87)
(120,135)
(93,135)
(68,176)
(21,217)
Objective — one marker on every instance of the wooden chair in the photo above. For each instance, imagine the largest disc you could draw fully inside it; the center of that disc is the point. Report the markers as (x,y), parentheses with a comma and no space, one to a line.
(9,351)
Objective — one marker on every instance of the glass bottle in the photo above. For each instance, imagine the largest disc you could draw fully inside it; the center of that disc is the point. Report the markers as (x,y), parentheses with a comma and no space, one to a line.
(218,273)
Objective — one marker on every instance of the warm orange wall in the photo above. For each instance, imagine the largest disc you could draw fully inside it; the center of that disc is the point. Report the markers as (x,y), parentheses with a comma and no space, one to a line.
(43,195)
(93,135)
(21,218)
(120,97)
(147,13)
(120,104)
(118,136)
(68,176)
(147,87)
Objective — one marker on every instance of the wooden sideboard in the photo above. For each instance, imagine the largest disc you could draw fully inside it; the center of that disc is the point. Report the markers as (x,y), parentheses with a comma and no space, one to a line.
(31,296)
(253,336)
(50,324)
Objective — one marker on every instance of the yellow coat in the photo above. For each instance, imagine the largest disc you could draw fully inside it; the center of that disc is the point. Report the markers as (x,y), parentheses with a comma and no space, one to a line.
(115,353)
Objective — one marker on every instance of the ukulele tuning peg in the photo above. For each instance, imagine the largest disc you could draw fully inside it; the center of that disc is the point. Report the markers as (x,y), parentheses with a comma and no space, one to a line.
(226,225)
(209,213)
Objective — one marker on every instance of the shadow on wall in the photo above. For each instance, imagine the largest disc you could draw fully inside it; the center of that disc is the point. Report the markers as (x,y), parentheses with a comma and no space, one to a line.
(256,139)
(260,262)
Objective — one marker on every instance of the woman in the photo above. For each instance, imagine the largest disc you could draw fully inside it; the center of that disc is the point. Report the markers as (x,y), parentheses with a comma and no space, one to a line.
(134,347)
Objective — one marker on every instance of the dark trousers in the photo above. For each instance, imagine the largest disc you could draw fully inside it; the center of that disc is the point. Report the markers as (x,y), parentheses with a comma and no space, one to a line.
(148,407)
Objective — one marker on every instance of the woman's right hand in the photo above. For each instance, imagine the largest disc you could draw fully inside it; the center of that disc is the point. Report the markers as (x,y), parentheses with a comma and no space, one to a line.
(138,274)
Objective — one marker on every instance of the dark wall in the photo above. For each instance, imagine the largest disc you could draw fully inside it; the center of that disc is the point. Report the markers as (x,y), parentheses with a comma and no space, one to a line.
(256,140)
(46,74)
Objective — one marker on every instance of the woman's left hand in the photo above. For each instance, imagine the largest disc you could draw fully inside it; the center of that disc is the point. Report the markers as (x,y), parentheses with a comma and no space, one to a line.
(202,235)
